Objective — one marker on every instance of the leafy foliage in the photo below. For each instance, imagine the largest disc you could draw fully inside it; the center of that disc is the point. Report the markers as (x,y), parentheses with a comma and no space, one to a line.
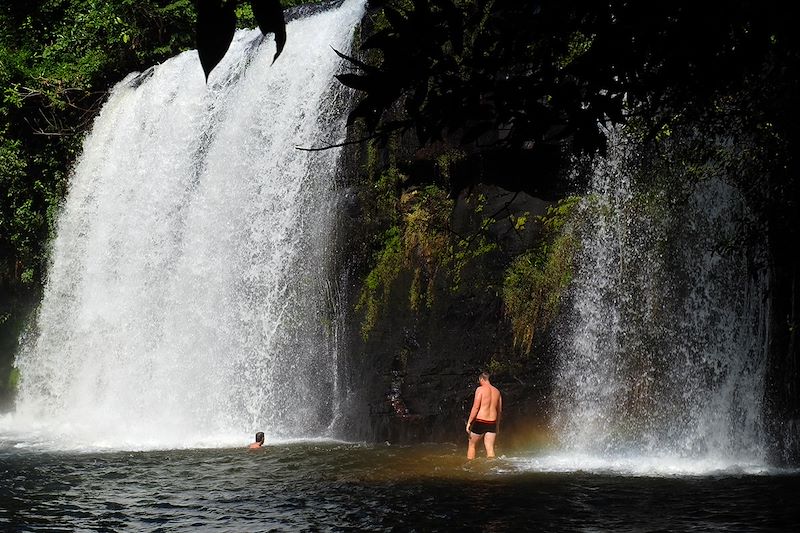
(417,243)
(421,243)
(536,281)
(58,58)
(528,74)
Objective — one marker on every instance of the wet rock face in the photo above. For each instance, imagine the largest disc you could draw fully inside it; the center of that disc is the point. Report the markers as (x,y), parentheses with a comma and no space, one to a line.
(413,379)
(413,374)
(783,373)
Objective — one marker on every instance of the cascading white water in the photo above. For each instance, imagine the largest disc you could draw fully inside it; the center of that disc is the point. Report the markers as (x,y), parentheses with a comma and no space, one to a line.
(662,357)
(185,303)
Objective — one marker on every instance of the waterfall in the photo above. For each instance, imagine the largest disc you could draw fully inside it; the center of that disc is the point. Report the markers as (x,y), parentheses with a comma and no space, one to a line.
(186,301)
(662,356)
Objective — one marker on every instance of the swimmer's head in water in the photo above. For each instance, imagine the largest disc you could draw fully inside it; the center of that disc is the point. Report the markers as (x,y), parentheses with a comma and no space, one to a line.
(260,437)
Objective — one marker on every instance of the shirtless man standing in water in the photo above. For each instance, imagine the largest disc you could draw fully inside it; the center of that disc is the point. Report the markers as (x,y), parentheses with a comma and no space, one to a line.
(484,419)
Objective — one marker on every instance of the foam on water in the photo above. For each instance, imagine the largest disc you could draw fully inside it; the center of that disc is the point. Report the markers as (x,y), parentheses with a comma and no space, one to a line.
(638,465)
(40,437)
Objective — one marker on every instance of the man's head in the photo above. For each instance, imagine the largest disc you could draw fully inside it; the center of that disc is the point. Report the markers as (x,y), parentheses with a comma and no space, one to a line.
(483,377)
(260,437)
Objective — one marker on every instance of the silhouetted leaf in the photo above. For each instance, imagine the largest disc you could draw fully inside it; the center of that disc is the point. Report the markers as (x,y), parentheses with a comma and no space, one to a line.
(380,40)
(216,24)
(361,83)
(269,15)
(360,64)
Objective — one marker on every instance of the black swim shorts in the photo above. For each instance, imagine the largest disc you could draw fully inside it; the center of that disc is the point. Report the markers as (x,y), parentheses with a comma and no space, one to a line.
(479,427)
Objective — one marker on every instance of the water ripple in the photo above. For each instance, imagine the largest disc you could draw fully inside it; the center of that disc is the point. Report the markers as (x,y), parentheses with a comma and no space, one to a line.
(336,487)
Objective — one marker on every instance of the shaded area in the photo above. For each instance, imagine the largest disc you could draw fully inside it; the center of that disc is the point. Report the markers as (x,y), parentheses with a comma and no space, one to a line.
(516,89)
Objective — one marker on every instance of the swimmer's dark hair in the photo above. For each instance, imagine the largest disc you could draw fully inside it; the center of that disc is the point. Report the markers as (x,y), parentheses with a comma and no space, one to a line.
(260,437)
(483,376)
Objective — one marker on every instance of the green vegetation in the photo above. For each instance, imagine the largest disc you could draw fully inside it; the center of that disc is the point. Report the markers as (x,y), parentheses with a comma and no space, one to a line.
(536,281)
(13,379)
(419,242)
(417,239)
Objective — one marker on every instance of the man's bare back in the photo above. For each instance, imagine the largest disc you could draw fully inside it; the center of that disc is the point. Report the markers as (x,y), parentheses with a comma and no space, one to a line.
(488,398)
(484,418)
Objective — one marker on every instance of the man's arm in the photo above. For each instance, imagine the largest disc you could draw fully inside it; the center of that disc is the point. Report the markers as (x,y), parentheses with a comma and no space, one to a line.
(476,405)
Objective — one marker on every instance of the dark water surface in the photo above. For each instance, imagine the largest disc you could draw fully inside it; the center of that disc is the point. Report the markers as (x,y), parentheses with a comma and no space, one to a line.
(349,487)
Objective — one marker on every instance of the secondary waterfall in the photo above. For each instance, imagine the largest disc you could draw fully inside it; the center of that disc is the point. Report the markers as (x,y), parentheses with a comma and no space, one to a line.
(663,354)
(187,299)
